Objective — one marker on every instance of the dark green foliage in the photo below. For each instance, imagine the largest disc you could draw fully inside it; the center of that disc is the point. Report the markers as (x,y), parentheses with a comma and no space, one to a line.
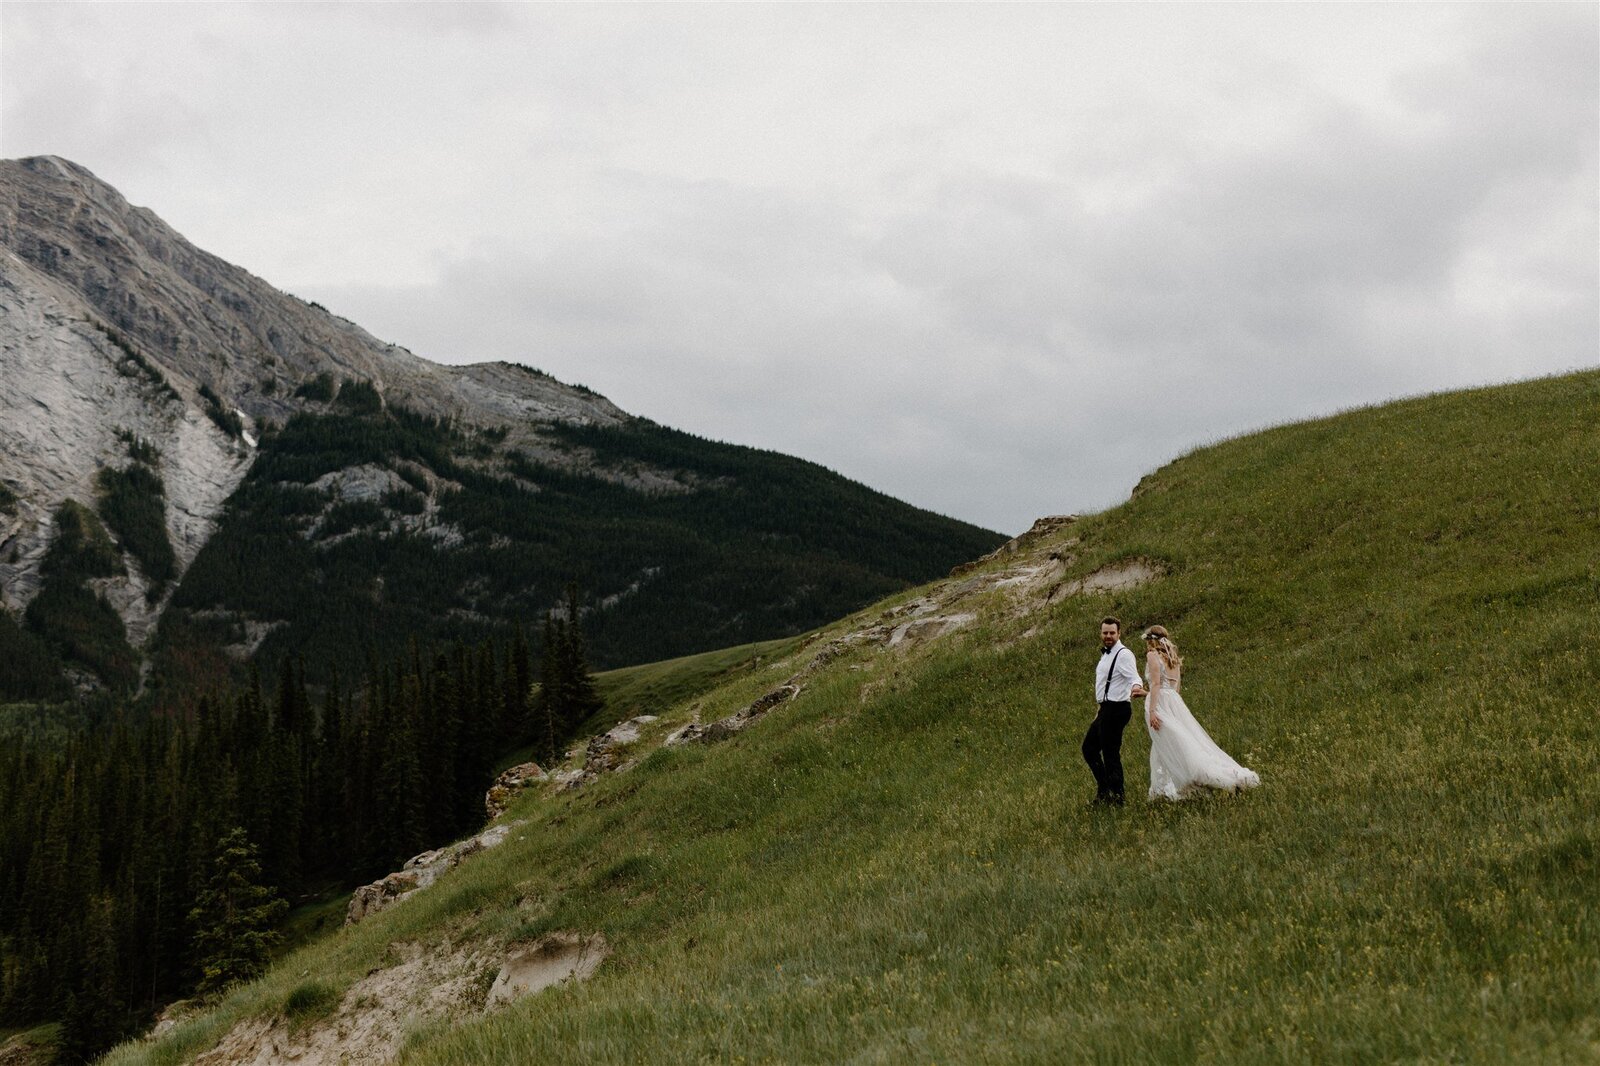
(133,503)
(567,692)
(319,389)
(84,629)
(95,1016)
(80,547)
(8,499)
(310,1000)
(758,545)
(403,501)
(351,514)
(225,417)
(413,477)
(67,615)
(140,450)
(29,668)
(135,363)
(358,397)
(233,917)
(134,847)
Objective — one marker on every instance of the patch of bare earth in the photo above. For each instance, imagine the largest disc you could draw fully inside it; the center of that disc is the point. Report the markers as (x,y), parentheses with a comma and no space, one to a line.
(550,960)
(373,1017)
(429,984)
(1127,574)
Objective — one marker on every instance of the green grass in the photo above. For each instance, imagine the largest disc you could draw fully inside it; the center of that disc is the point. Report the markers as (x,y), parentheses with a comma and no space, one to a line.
(1393,615)
(28,1046)
(308,921)
(654,688)
(310,1001)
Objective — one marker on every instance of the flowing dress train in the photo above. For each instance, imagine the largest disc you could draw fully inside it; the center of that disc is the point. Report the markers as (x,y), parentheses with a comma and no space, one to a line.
(1183,757)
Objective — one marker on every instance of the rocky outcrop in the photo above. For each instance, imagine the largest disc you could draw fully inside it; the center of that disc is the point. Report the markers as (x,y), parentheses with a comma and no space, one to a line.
(723,728)
(1041,528)
(508,784)
(605,753)
(419,872)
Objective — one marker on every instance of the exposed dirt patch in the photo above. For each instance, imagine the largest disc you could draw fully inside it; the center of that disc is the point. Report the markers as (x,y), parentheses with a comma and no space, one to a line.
(919,630)
(1130,573)
(372,1020)
(550,960)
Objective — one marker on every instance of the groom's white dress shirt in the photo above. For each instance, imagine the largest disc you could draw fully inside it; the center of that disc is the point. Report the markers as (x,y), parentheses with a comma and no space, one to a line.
(1124,669)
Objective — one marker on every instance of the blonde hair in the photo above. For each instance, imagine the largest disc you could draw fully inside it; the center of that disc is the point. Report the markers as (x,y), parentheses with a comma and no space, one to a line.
(1157,637)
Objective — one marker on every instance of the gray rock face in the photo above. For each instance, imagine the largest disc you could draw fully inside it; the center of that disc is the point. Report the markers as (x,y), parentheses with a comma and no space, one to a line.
(86,278)
(421,871)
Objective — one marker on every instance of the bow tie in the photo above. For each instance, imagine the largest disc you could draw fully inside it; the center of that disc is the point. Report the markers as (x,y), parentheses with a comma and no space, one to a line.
(1108,651)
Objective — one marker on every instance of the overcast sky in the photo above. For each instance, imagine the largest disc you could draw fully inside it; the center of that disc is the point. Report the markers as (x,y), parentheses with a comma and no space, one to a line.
(998,261)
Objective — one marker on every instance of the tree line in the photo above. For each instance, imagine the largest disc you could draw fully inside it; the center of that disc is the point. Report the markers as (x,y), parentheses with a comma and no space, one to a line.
(145,856)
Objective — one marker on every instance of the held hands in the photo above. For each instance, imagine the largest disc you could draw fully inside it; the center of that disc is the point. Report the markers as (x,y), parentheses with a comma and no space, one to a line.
(1139,691)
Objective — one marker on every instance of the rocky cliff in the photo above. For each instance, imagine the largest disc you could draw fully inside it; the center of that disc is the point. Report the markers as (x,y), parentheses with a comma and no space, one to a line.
(111,323)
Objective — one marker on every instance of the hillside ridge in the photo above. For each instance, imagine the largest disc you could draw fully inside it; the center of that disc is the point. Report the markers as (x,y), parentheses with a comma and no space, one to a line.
(883,853)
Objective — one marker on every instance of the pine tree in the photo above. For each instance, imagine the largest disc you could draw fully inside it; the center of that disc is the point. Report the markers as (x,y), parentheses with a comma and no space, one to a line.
(517,726)
(546,711)
(568,696)
(234,916)
(582,696)
(95,1016)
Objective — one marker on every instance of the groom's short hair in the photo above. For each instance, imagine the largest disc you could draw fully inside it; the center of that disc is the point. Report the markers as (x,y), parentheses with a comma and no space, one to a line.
(1111,620)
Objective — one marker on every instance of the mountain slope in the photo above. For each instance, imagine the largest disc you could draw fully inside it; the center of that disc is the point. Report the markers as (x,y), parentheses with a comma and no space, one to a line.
(362,492)
(1390,614)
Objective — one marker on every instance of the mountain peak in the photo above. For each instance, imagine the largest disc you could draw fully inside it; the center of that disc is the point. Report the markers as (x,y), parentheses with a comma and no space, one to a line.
(112,325)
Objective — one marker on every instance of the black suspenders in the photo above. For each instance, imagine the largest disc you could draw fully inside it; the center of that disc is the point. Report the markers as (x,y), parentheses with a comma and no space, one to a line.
(1106,691)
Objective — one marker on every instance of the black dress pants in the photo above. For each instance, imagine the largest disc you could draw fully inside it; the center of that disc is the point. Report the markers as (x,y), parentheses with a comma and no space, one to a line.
(1102,749)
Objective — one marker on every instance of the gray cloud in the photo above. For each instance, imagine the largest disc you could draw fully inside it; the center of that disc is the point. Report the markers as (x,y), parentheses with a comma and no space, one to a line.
(996,261)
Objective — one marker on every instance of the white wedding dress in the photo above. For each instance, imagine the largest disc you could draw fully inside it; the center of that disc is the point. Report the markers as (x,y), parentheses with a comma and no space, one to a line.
(1183,757)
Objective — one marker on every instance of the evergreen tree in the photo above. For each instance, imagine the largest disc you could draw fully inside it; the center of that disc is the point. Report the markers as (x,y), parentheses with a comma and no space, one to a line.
(517,725)
(581,694)
(546,713)
(234,916)
(568,696)
(95,1018)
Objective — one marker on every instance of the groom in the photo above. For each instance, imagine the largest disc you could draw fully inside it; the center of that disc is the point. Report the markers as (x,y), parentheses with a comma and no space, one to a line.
(1116,684)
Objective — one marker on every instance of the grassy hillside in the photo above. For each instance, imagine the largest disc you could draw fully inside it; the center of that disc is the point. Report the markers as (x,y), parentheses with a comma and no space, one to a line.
(1393,615)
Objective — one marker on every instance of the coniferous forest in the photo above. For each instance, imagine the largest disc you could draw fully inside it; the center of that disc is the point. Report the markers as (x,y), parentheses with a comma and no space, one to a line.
(146,857)
(681,544)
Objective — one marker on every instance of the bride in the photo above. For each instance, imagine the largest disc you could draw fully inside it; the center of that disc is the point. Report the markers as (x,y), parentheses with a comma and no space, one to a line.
(1183,757)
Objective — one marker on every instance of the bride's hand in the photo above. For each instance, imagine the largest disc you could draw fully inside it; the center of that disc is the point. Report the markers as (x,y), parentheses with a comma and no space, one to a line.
(1155,722)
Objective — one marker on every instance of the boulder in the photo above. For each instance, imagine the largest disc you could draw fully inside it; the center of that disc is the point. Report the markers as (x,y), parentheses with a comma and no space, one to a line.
(508,784)
(420,871)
